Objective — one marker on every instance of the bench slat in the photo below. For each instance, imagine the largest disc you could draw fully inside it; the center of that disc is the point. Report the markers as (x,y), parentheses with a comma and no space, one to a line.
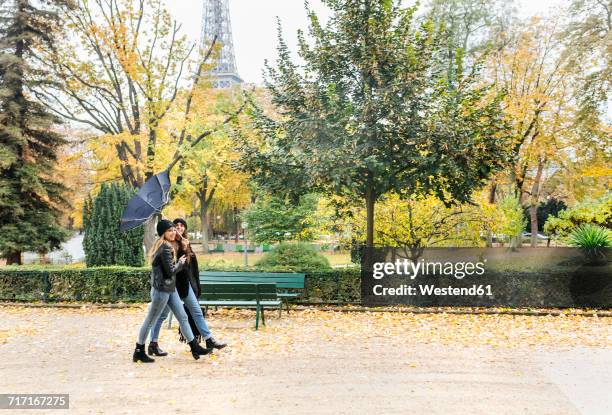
(266,303)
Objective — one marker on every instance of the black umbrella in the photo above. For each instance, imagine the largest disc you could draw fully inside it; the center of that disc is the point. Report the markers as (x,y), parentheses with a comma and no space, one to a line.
(150,200)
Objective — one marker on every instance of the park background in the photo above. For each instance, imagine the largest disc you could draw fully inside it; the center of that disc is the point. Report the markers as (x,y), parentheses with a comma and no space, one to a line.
(446,124)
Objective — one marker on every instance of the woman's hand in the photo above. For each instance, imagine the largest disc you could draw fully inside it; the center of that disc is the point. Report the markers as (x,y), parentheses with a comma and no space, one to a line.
(182,259)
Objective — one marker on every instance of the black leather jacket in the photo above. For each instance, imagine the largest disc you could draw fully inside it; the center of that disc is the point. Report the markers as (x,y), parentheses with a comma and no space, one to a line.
(163,273)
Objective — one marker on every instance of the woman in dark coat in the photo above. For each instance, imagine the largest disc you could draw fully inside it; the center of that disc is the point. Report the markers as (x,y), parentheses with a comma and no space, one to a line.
(188,288)
(165,267)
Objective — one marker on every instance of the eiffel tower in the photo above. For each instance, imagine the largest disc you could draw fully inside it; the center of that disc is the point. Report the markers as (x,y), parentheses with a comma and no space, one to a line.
(216,21)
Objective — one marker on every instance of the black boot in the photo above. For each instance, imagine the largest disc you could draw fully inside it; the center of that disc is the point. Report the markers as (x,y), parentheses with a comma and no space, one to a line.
(197,350)
(211,343)
(155,350)
(140,355)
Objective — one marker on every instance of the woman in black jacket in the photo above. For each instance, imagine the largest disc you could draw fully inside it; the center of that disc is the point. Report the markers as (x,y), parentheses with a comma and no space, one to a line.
(163,292)
(188,288)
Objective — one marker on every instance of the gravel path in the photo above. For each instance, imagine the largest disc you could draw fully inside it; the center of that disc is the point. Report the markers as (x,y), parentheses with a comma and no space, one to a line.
(314,362)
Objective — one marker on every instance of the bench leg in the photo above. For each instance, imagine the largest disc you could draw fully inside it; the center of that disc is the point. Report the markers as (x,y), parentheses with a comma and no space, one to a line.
(263,318)
(287,305)
(280,309)
(170,320)
(257,318)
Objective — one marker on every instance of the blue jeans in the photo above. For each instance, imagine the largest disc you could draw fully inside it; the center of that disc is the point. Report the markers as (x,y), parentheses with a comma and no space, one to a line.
(160,301)
(191,302)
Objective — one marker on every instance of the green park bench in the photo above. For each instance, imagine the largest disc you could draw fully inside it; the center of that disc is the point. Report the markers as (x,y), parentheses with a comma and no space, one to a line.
(219,248)
(289,285)
(234,294)
(240,248)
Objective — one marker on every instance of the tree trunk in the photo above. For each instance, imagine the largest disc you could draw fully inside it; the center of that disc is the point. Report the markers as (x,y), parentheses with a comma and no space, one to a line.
(533,208)
(14,258)
(150,233)
(492,201)
(204,220)
(370,201)
(236,223)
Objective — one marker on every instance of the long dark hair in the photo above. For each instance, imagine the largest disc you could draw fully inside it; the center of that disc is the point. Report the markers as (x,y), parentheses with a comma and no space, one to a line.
(188,252)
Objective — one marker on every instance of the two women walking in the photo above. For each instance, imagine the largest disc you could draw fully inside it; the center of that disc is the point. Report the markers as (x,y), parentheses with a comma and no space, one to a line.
(169,274)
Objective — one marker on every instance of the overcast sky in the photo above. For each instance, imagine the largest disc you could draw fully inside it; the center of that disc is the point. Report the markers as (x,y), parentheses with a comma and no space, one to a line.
(254,25)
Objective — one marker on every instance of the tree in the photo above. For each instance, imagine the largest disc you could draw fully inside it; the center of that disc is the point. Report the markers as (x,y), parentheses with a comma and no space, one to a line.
(120,73)
(370,111)
(207,172)
(422,221)
(31,199)
(470,28)
(532,72)
(587,37)
(103,242)
(273,219)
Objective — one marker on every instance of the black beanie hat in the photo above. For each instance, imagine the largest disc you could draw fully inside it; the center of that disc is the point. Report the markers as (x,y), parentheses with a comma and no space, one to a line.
(180,220)
(163,225)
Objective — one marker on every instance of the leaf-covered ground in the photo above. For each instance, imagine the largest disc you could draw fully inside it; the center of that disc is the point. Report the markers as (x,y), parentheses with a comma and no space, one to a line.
(311,361)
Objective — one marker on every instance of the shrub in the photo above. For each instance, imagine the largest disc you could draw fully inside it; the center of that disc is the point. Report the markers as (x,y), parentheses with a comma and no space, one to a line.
(295,256)
(111,284)
(592,239)
(597,212)
(101,284)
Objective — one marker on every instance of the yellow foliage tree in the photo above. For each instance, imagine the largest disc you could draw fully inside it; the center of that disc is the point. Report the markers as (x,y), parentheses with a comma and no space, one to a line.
(418,222)
(539,108)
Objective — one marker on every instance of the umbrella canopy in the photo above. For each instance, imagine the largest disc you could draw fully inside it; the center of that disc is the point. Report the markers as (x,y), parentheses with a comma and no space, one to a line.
(150,200)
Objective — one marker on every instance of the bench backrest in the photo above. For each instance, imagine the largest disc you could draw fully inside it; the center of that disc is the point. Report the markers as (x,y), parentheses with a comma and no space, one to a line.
(283,280)
(233,291)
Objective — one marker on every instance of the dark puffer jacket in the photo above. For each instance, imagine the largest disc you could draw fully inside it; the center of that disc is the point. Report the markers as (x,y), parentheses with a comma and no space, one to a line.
(163,273)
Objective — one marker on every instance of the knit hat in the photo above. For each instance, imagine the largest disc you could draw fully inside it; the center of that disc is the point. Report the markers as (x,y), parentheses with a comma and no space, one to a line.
(180,220)
(163,225)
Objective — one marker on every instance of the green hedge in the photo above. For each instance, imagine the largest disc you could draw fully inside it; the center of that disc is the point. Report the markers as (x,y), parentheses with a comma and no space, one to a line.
(127,284)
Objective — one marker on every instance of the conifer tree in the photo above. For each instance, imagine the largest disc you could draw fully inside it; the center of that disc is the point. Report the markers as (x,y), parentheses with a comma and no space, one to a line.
(31,198)
(104,243)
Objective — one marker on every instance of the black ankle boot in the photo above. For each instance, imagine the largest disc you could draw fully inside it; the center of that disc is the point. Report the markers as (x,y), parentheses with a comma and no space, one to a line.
(155,350)
(211,343)
(140,355)
(197,350)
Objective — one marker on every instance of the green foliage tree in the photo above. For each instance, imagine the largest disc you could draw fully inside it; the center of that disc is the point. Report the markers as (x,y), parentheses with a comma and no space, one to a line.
(596,212)
(31,199)
(103,243)
(274,219)
(515,220)
(470,27)
(295,256)
(370,112)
